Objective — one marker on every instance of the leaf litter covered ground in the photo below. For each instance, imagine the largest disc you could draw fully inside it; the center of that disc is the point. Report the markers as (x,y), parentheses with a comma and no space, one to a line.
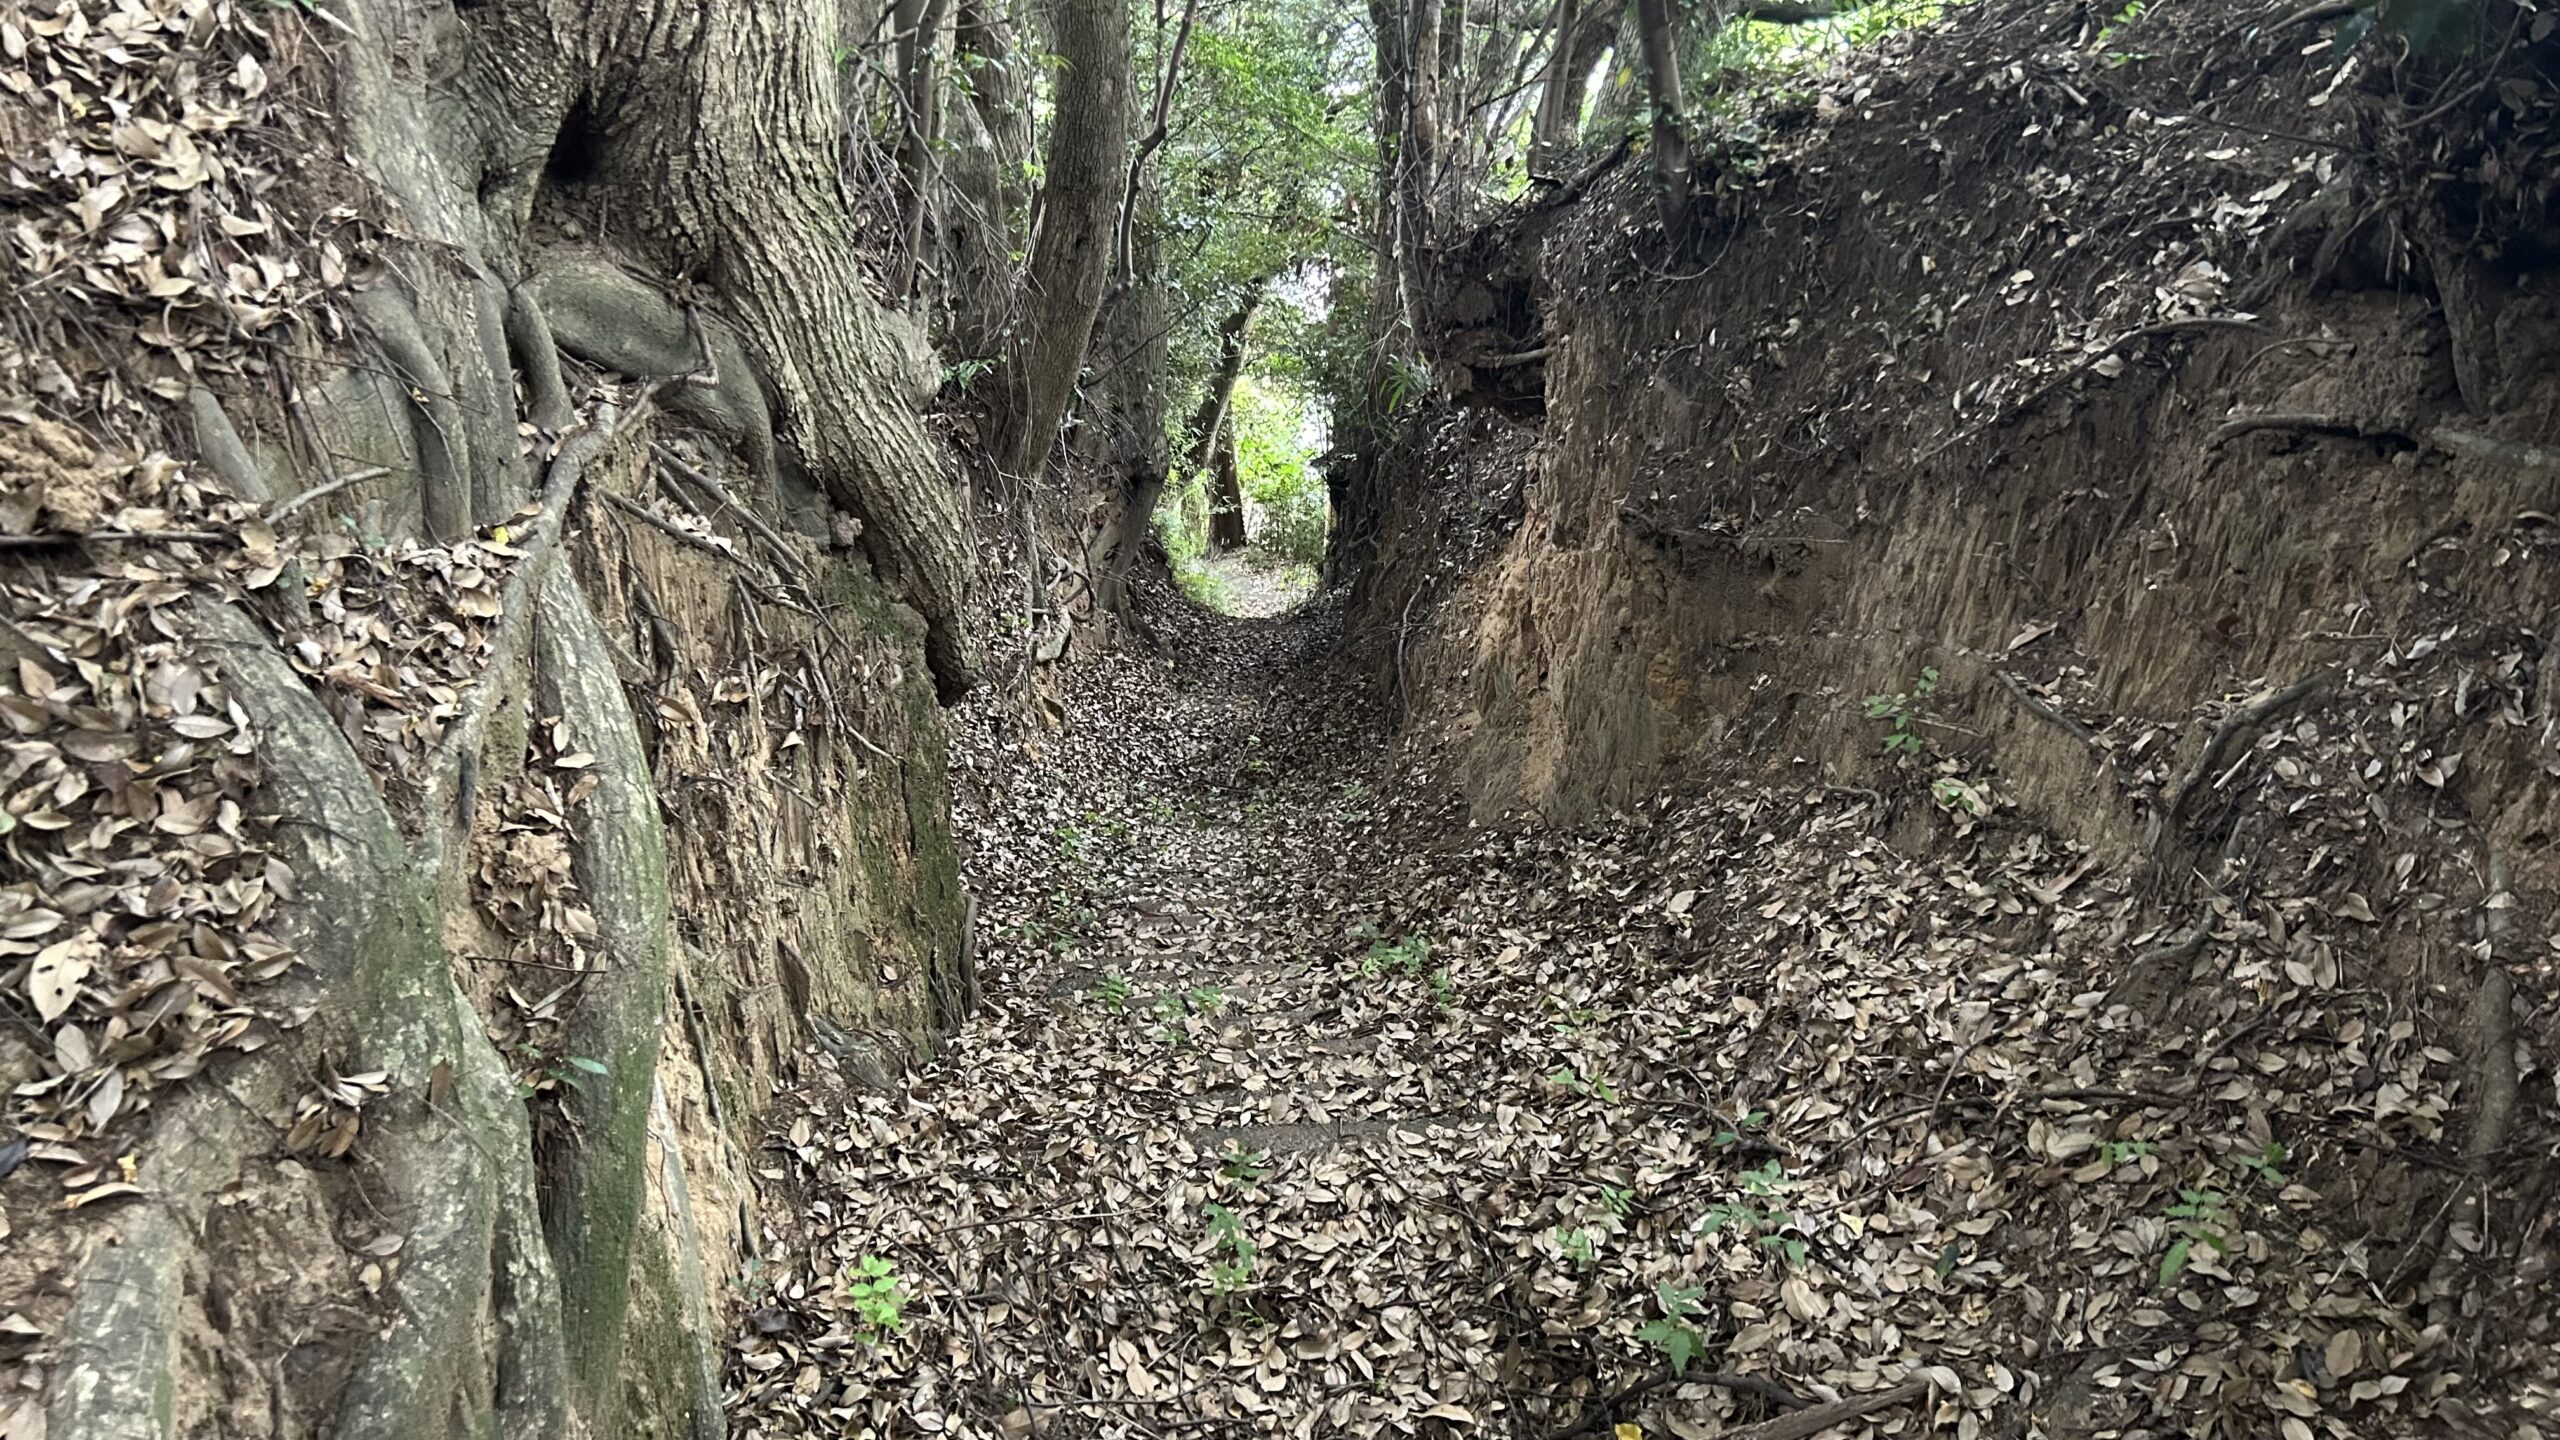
(1299,1106)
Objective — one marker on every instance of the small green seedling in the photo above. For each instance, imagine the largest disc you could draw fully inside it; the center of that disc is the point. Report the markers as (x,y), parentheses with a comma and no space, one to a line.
(1234,1252)
(1404,957)
(2267,1164)
(569,1070)
(877,1295)
(1114,992)
(1577,1244)
(2112,1153)
(1245,1167)
(1901,712)
(1732,1135)
(2199,1218)
(1673,1335)
(1757,1218)
(1596,1087)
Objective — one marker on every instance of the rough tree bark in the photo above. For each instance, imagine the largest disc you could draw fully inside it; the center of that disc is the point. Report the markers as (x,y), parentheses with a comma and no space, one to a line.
(516,1304)
(990,143)
(920,62)
(1071,254)
(1418,162)
(733,136)
(1131,406)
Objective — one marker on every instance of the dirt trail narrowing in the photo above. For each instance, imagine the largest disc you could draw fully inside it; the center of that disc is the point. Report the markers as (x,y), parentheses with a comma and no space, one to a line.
(1300,1107)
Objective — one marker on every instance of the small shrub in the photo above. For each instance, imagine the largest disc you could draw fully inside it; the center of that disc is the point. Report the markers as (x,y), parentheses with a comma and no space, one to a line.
(2199,1218)
(1679,1341)
(1901,711)
(1234,1253)
(878,1297)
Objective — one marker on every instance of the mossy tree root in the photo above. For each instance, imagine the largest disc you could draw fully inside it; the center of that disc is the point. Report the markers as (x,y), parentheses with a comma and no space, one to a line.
(592,1198)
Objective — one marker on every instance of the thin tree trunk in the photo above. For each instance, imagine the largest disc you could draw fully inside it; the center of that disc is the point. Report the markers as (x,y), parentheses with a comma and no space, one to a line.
(1158,131)
(1226,491)
(1071,255)
(919,57)
(991,141)
(1420,162)
(1211,433)
(1215,401)
(1655,32)
(1559,117)
(1391,311)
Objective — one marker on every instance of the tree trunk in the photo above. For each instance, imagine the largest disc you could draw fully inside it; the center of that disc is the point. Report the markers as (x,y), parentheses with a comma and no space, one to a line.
(990,145)
(1391,317)
(1211,433)
(1583,35)
(1071,255)
(734,135)
(1419,163)
(1226,492)
(1654,25)
(919,61)
(1132,405)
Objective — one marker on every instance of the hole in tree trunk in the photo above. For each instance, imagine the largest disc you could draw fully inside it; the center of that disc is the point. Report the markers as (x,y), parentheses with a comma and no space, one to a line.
(577,154)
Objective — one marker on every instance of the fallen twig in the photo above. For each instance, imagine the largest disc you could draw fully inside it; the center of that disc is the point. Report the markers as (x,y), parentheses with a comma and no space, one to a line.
(1597,1414)
(783,558)
(662,524)
(326,487)
(2318,424)
(2073,728)
(1814,1419)
(63,539)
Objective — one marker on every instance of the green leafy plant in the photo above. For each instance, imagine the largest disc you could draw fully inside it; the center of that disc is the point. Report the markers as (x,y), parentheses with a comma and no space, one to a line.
(961,374)
(1442,991)
(1245,1167)
(545,1074)
(1619,1201)
(2108,32)
(1204,999)
(1901,712)
(878,1297)
(1407,382)
(1233,1253)
(1577,1244)
(1114,992)
(1732,1134)
(1596,1087)
(1756,1216)
(1673,1334)
(2112,1153)
(1405,957)
(2199,1218)
(2266,1165)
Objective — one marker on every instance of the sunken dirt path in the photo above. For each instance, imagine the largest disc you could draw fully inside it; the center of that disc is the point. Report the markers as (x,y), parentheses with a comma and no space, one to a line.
(1301,1108)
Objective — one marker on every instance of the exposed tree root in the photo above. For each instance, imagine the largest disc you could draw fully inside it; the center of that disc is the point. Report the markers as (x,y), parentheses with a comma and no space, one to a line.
(2244,720)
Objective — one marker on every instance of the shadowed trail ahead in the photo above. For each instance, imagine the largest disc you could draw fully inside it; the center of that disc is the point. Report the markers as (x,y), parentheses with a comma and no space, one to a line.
(1299,1107)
